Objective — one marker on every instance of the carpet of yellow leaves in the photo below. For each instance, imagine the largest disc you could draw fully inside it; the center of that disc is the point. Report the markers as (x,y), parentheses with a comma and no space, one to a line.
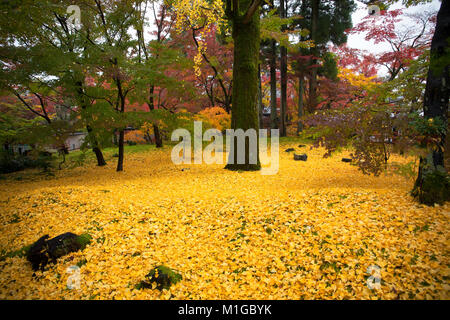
(309,232)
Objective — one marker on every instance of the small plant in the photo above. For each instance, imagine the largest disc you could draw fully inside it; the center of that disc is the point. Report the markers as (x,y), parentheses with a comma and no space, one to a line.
(163,276)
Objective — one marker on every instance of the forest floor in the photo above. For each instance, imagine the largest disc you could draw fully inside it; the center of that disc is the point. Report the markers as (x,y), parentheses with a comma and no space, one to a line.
(309,232)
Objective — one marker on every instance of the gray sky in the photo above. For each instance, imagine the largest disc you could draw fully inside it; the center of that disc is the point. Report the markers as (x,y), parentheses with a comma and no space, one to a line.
(358,41)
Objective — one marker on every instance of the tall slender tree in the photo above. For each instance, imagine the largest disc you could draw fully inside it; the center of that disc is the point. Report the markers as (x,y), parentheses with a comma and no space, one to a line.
(283,75)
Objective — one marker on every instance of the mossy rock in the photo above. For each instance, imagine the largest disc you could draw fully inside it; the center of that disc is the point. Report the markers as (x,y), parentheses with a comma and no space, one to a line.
(45,250)
(83,240)
(163,276)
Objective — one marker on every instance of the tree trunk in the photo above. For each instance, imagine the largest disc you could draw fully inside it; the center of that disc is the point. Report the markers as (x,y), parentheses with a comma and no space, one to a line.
(121,108)
(314,51)
(158,139)
(95,148)
(244,114)
(99,155)
(300,104)
(447,150)
(260,104)
(273,86)
(433,182)
(121,150)
(283,74)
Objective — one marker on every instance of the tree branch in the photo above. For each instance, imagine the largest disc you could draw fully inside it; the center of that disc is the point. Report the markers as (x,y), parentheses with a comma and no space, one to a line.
(251,11)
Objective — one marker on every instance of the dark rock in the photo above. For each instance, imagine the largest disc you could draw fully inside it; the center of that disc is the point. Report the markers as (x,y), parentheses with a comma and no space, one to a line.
(44,251)
(346,160)
(163,276)
(301,145)
(289,150)
(300,157)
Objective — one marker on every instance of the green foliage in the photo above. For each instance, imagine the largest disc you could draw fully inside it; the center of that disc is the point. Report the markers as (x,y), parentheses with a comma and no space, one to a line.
(163,276)
(83,240)
(329,67)
(334,19)
(271,28)
(429,131)
(406,90)
(12,163)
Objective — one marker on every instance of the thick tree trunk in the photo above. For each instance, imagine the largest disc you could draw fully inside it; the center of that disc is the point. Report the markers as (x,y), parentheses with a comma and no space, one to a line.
(273,86)
(283,74)
(244,114)
(158,138)
(433,182)
(300,104)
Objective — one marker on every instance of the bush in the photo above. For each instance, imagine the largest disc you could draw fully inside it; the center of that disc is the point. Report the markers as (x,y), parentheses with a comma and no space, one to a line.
(10,163)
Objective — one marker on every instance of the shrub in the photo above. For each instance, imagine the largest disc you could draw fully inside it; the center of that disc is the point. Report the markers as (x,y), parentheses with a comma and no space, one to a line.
(10,163)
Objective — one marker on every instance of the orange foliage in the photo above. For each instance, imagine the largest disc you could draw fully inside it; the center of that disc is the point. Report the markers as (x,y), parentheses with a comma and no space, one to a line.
(217,117)
(135,136)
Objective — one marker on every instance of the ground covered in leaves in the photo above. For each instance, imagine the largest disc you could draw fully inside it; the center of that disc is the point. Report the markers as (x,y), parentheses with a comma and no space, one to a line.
(309,232)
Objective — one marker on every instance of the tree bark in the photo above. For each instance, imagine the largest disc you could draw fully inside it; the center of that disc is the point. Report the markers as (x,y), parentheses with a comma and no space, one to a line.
(244,114)
(158,138)
(121,150)
(283,74)
(98,152)
(433,182)
(99,155)
(121,109)
(260,104)
(95,148)
(300,104)
(314,51)
(273,87)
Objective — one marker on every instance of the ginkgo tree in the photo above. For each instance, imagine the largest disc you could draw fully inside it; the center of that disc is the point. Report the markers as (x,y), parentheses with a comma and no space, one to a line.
(243,15)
